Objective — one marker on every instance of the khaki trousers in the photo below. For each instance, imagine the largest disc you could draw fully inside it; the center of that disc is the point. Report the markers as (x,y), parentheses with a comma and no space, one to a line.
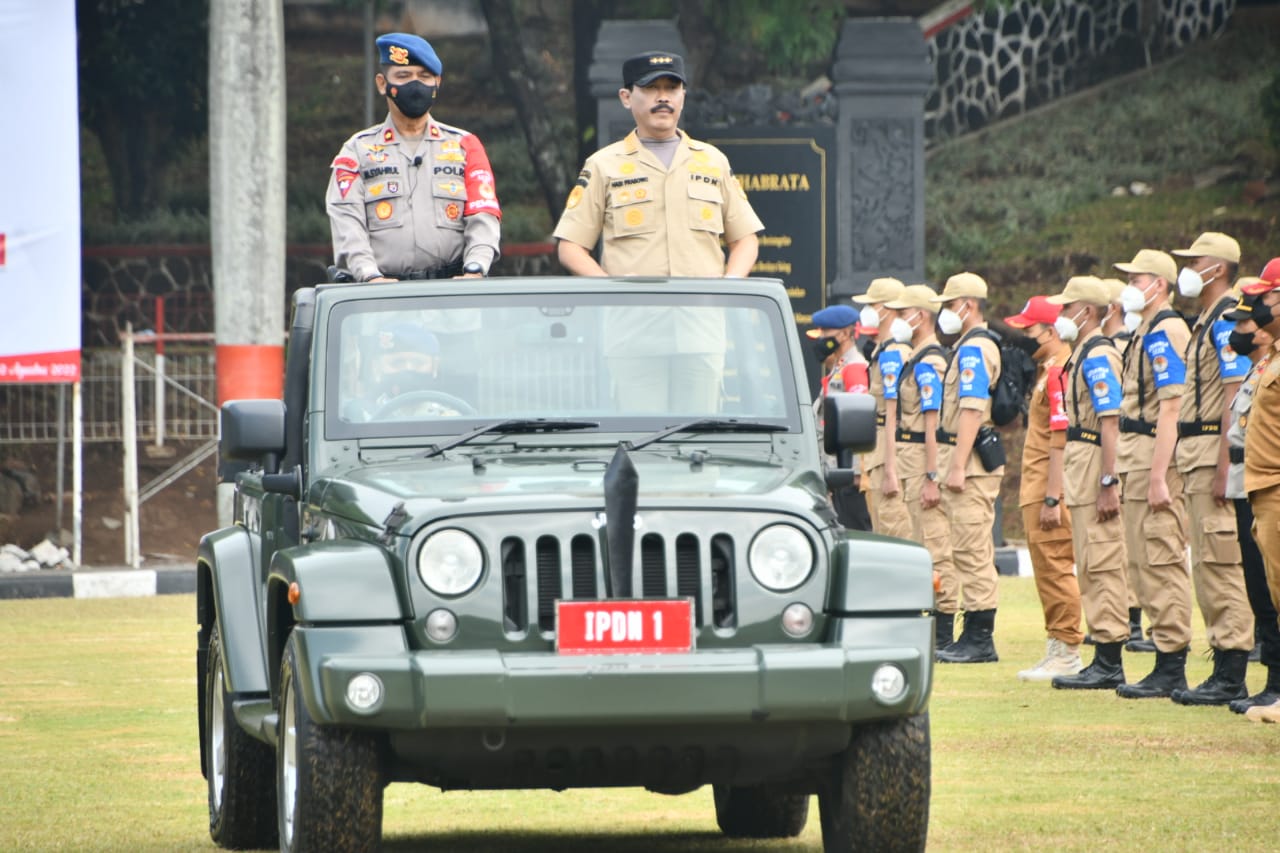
(889,516)
(1052,563)
(1101,569)
(1217,570)
(1157,550)
(971,513)
(1266,533)
(929,528)
(687,384)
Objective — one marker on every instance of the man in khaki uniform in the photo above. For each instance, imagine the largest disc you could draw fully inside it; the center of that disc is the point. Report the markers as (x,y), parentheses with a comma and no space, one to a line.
(913,447)
(1091,486)
(970,484)
(412,198)
(1154,518)
(1047,522)
(1214,373)
(661,202)
(889,513)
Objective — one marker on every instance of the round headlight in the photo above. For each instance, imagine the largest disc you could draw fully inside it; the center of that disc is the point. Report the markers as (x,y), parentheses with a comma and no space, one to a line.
(781,557)
(450,562)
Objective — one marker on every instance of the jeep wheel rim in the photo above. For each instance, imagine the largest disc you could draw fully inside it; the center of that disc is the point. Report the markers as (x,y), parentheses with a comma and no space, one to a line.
(217,744)
(288,766)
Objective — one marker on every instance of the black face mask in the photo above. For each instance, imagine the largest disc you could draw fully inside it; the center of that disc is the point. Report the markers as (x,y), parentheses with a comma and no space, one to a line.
(1262,314)
(413,98)
(824,348)
(1026,343)
(1241,343)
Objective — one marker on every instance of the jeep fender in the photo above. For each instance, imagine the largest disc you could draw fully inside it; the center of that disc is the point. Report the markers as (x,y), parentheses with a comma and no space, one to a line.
(872,574)
(339,581)
(229,558)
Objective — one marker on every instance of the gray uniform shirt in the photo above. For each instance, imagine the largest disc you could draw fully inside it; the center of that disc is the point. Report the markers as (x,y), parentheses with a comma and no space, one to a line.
(1235,433)
(399,207)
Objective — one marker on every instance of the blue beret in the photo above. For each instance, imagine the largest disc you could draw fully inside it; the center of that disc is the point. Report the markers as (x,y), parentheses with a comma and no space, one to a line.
(406,337)
(407,49)
(835,317)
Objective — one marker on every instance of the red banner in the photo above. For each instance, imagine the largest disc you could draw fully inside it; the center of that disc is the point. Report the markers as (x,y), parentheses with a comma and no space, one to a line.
(41,367)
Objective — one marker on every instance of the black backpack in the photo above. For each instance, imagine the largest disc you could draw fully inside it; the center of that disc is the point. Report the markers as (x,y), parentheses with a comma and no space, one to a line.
(1009,395)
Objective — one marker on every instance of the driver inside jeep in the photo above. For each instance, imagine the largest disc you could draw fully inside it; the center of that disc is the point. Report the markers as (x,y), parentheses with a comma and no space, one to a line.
(403,376)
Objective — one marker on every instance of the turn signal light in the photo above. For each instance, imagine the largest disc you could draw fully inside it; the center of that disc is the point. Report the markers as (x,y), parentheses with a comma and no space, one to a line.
(295,592)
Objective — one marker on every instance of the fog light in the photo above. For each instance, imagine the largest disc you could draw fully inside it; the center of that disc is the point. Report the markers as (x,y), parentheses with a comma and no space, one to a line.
(364,692)
(441,626)
(889,683)
(797,620)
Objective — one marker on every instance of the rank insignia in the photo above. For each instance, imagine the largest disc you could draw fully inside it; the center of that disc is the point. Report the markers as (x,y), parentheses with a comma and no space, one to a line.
(388,135)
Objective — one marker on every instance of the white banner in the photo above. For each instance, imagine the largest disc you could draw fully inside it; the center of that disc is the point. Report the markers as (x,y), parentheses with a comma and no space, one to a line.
(40,194)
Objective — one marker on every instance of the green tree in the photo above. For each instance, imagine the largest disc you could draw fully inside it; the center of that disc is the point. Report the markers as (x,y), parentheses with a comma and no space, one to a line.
(144,70)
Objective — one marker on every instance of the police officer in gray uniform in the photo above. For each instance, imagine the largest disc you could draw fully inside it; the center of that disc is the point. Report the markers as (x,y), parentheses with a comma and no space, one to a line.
(412,198)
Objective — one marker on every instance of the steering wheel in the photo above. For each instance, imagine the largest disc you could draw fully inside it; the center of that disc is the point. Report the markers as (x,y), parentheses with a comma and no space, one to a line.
(446,404)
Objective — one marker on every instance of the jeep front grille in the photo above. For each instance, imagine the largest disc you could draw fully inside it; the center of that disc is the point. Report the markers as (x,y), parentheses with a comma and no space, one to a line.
(686,565)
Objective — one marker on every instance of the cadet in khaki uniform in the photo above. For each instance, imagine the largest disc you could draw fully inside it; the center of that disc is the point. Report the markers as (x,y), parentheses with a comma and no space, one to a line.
(889,513)
(970,489)
(1214,373)
(412,198)
(1154,519)
(914,445)
(1047,522)
(661,202)
(1092,488)
(1262,451)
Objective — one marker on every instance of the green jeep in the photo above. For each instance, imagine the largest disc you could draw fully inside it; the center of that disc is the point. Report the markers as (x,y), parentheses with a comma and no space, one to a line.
(555,533)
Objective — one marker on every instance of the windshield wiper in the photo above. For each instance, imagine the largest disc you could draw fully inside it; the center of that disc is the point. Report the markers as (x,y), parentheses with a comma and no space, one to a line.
(708,425)
(509,426)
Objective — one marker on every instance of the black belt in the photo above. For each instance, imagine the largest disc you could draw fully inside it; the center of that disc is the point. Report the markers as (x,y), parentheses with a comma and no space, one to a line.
(1235,454)
(910,437)
(1188,429)
(1092,436)
(946,437)
(446,271)
(880,419)
(1135,426)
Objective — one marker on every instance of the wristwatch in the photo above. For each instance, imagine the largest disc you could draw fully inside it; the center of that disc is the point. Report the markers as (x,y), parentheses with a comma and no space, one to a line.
(1109,480)
(473,268)
(1051,502)
(931,476)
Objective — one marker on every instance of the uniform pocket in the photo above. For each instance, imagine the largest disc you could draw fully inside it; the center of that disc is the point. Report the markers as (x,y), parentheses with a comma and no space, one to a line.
(631,216)
(1221,541)
(706,206)
(449,198)
(383,213)
(1165,542)
(1106,546)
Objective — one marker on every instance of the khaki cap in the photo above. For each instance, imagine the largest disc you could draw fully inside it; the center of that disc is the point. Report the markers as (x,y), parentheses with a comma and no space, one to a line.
(963,284)
(1243,282)
(1152,262)
(1212,244)
(916,296)
(880,290)
(1114,288)
(1084,288)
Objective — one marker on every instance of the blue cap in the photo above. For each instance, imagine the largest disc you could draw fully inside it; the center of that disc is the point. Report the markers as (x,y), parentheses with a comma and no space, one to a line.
(408,49)
(406,337)
(835,317)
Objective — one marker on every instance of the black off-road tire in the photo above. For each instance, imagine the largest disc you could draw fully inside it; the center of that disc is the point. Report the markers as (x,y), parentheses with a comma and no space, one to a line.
(329,778)
(760,812)
(876,796)
(240,770)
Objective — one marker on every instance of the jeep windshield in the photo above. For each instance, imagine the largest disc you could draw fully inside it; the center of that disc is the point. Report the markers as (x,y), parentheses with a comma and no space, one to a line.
(631,362)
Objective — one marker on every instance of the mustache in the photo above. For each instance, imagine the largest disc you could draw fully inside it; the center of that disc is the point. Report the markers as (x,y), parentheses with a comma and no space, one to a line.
(662,108)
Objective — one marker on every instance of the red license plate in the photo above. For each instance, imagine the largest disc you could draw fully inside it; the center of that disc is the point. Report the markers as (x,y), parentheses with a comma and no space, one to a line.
(624,626)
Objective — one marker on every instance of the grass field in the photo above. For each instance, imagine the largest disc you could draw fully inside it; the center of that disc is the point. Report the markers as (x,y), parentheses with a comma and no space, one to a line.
(98,752)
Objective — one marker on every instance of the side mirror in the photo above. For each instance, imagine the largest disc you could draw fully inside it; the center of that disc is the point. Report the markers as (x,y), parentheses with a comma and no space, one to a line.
(850,423)
(253,431)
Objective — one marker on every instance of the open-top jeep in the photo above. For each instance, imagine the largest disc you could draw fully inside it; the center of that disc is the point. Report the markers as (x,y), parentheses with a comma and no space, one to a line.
(500,534)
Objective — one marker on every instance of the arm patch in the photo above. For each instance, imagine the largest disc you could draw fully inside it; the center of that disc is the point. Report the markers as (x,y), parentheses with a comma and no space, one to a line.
(1167,366)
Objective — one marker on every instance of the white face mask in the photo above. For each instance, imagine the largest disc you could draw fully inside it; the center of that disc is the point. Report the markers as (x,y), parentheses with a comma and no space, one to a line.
(1133,299)
(869,317)
(1068,328)
(1191,282)
(1132,320)
(949,322)
(901,330)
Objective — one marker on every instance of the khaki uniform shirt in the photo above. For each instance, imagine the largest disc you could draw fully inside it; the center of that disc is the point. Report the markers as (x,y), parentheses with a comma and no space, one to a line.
(1262,438)
(886,364)
(919,390)
(1211,364)
(398,207)
(1153,360)
(973,371)
(1093,392)
(1046,427)
(1240,409)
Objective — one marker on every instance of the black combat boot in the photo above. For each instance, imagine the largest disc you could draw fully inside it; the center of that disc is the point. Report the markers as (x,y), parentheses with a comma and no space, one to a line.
(1137,642)
(1170,674)
(1105,673)
(944,630)
(1269,696)
(1224,685)
(976,644)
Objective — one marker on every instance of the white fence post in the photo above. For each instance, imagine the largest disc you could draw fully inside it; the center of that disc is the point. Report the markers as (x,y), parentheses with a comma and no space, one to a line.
(129,422)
